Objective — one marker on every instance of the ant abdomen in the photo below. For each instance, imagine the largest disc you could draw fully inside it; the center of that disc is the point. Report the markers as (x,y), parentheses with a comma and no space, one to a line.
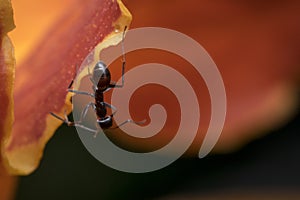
(105,123)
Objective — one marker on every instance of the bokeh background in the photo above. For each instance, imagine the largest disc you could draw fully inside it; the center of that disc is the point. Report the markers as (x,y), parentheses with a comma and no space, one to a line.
(266,168)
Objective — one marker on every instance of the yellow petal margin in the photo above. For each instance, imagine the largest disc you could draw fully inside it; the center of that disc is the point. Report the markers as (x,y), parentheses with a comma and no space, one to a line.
(7,70)
(42,80)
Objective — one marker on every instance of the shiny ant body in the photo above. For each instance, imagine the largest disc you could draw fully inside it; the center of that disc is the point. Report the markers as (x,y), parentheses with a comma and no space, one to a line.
(101,80)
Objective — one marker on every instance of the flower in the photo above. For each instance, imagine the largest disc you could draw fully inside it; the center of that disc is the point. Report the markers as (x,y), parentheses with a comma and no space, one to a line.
(43,76)
(256,48)
(259,68)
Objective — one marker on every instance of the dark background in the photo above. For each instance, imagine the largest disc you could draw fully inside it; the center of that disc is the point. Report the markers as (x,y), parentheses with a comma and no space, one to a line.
(265,167)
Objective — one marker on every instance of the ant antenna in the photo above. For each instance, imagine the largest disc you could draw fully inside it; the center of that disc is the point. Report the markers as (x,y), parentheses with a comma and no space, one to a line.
(123,49)
(76,68)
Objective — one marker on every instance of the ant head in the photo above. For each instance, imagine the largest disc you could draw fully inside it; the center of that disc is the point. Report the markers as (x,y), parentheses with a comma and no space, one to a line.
(101,75)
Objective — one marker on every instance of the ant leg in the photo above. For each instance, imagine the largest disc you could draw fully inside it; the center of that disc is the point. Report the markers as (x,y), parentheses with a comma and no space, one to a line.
(125,122)
(66,121)
(109,88)
(130,121)
(111,107)
(114,85)
(91,79)
(70,85)
(86,128)
(77,91)
(81,92)
(85,110)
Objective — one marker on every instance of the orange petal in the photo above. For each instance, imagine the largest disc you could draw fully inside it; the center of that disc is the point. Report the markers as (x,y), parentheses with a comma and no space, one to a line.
(7,72)
(41,80)
(7,69)
(256,48)
(25,15)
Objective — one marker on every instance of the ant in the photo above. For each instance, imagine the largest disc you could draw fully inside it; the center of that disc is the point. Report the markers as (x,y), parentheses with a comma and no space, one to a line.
(101,80)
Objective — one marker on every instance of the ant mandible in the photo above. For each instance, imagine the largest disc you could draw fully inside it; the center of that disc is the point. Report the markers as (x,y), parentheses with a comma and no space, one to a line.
(101,80)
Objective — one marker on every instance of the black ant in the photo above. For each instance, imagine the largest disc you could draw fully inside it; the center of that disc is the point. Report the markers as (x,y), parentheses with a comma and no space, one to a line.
(101,80)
